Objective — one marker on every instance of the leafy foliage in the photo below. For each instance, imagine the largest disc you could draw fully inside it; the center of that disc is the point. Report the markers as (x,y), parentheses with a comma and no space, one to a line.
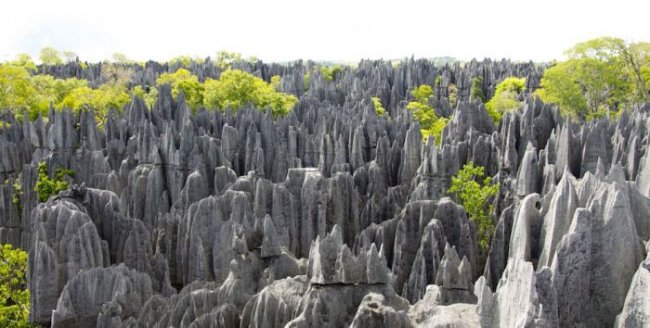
(50,56)
(46,186)
(16,89)
(453,94)
(379,108)
(558,86)
(430,124)
(14,296)
(225,59)
(25,61)
(236,88)
(600,77)
(149,96)
(422,93)
(22,92)
(476,89)
(183,80)
(70,56)
(306,80)
(330,73)
(506,97)
(475,192)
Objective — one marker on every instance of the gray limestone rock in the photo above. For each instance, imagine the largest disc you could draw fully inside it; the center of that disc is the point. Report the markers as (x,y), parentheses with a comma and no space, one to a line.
(571,269)
(93,291)
(636,310)
(557,219)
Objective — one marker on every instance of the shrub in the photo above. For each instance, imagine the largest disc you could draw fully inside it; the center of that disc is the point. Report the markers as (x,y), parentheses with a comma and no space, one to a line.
(14,295)
(506,97)
(430,124)
(476,89)
(475,191)
(46,186)
(183,80)
(236,88)
(330,73)
(379,109)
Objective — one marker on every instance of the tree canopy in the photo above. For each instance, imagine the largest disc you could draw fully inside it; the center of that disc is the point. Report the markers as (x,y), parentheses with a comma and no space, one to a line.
(430,124)
(506,97)
(50,56)
(236,88)
(14,295)
(183,80)
(600,77)
(475,191)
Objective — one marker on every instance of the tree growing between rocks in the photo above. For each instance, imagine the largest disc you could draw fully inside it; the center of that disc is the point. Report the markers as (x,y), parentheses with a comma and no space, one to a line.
(379,108)
(600,77)
(507,97)
(14,295)
(50,56)
(47,187)
(430,124)
(475,191)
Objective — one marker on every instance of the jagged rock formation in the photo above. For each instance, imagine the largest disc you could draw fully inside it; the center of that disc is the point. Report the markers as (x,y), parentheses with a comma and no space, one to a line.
(331,216)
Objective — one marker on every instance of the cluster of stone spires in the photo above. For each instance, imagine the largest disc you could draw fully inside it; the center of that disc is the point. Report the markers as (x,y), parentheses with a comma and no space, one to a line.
(333,215)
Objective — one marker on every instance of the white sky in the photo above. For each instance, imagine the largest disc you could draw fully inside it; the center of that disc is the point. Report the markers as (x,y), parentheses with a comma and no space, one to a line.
(322,30)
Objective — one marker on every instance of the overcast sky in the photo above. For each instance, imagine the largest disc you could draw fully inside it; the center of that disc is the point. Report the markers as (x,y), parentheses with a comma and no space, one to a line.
(345,30)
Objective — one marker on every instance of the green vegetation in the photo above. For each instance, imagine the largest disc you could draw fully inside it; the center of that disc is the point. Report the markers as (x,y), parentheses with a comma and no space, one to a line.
(70,56)
(506,97)
(225,59)
(14,295)
(430,124)
(379,108)
(46,186)
(236,89)
(24,92)
(475,192)
(476,89)
(330,73)
(20,91)
(149,96)
(50,56)
(600,77)
(183,80)
(453,94)
(306,80)
(120,58)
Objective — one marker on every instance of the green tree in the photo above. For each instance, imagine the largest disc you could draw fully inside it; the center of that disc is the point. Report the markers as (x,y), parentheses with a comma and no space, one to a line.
(331,73)
(120,58)
(25,61)
(476,89)
(506,97)
(236,88)
(558,86)
(430,124)
(225,59)
(50,56)
(70,56)
(379,108)
(629,58)
(16,89)
(600,77)
(46,186)
(149,96)
(475,192)
(422,94)
(184,61)
(183,80)
(306,80)
(453,94)
(14,295)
